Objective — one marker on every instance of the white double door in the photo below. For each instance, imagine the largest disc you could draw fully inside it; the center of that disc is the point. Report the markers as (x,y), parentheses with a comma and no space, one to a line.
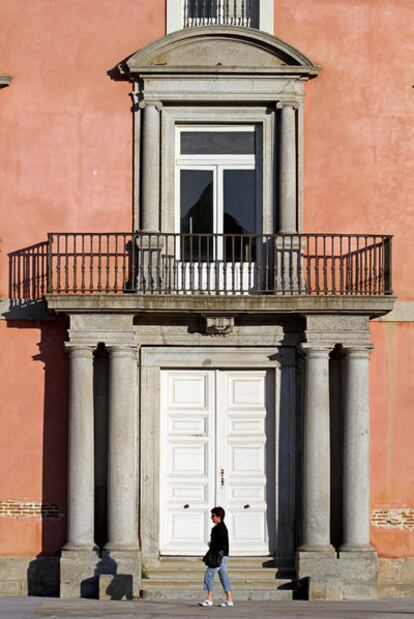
(216,449)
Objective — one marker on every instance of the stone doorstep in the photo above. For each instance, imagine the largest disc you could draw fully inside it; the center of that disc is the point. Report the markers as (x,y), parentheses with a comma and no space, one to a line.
(187,593)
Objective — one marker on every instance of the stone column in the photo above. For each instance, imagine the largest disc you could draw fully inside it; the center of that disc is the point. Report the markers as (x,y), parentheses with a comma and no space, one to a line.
(288,167)
(122,452)
(316,456)
(150,162)
(81,450)
(356,451)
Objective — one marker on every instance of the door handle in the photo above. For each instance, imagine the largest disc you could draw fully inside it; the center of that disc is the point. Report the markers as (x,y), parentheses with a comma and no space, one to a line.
(222,478)
(246,506)
(186,506)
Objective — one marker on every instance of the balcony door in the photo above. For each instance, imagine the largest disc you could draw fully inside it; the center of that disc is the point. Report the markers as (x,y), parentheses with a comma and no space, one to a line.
(217,203)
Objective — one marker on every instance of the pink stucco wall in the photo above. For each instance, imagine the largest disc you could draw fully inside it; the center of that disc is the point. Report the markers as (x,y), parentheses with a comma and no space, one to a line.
(66,165)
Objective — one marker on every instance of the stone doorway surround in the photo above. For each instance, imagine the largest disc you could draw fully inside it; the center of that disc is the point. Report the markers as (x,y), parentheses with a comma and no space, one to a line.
(153,359)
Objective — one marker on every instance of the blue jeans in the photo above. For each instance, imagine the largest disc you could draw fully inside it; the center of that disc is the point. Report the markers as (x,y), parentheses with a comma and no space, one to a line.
(222,572)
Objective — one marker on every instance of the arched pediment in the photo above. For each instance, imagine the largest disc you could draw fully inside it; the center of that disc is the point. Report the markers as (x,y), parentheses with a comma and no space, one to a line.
(222,49)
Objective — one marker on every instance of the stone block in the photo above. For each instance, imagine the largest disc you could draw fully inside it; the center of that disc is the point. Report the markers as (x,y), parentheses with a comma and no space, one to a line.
(360,591)
(389,570)
(12,588)
(326,589)
(79,574)
(126,566)
(115,587)
(396,590)
(358,571)
(407,571)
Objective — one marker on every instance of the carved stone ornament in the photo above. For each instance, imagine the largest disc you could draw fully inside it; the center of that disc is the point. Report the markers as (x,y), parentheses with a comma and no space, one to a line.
(219,325)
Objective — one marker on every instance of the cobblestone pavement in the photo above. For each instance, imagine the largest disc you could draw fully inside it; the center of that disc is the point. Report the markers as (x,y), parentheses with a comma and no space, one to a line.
(49,608)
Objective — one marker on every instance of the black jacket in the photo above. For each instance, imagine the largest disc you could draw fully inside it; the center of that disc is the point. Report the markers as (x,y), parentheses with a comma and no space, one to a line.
(220,539)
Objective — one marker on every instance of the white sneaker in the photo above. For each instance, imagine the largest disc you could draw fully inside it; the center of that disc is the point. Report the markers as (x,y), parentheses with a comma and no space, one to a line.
(227,603)
(205,603)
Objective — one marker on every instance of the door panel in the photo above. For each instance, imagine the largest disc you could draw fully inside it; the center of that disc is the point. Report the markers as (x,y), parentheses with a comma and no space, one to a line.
(214,452)
(187,460)
(241,447)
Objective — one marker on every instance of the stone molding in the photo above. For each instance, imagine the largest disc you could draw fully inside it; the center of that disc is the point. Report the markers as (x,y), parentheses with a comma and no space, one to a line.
(153,359)
(330,330)
(176,53)
(282,103)
(148,103)
(329,308)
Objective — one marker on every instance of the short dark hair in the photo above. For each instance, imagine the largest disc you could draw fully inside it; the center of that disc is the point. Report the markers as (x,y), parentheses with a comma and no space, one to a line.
(218,511)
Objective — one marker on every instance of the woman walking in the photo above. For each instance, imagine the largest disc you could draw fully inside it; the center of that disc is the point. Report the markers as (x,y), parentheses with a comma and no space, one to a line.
(218,548)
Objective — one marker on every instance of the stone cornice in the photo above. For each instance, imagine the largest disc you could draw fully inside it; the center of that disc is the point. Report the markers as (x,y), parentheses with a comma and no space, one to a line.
(220,305)
(262,54)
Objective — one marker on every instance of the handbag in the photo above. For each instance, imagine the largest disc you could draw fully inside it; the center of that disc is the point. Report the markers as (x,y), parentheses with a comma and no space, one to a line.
(213,559)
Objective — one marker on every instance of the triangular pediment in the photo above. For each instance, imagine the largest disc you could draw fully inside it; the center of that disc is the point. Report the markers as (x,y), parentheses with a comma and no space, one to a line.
(218,48)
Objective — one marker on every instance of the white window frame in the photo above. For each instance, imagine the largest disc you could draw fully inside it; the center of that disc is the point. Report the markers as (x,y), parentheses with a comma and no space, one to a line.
(175,15)
(217,164)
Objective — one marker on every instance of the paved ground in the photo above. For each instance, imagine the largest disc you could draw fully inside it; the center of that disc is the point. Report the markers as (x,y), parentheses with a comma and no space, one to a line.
(48,608)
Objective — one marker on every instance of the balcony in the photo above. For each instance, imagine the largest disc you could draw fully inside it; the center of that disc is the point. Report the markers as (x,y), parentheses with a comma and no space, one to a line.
(203,265)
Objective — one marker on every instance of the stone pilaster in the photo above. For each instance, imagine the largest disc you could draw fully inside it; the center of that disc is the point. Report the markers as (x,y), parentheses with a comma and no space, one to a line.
(150,162)
(288,167)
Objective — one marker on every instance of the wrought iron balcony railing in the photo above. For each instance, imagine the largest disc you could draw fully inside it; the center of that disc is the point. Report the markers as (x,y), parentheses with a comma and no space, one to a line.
(243,13)
(203,264)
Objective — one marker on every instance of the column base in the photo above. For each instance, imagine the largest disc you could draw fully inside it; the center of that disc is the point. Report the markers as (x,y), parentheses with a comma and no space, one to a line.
(78,572)
(365,548)
(325,549)
(120,573)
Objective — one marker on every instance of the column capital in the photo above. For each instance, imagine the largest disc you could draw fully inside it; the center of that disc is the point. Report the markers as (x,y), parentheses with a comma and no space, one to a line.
(361,351)
(316,350)
(150,103)
(287,103)
(79,350)
(121,350)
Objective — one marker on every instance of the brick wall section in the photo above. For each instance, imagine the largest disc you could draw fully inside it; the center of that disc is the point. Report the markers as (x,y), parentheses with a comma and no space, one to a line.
(27,508)
(393,518)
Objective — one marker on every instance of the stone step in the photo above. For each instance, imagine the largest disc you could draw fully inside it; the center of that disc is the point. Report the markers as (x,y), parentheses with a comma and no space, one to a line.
(241,592)
(188,561)
(237,575)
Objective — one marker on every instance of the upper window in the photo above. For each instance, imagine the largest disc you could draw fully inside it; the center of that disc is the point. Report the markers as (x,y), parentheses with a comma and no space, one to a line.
(221,13)
(241,13)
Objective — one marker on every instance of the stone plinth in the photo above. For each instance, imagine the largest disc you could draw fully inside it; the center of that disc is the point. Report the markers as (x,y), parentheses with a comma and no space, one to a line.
(358,572)
(79,574)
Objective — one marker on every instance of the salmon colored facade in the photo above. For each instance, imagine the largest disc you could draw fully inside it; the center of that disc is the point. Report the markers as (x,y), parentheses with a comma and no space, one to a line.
(66,164)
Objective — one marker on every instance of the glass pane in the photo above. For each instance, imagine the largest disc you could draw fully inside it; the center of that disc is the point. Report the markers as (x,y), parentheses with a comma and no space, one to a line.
(202,8)
(239,212)
(196,212)
(218,142)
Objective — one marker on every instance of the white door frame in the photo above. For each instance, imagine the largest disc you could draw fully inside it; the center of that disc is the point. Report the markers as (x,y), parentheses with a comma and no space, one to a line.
(152,360)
